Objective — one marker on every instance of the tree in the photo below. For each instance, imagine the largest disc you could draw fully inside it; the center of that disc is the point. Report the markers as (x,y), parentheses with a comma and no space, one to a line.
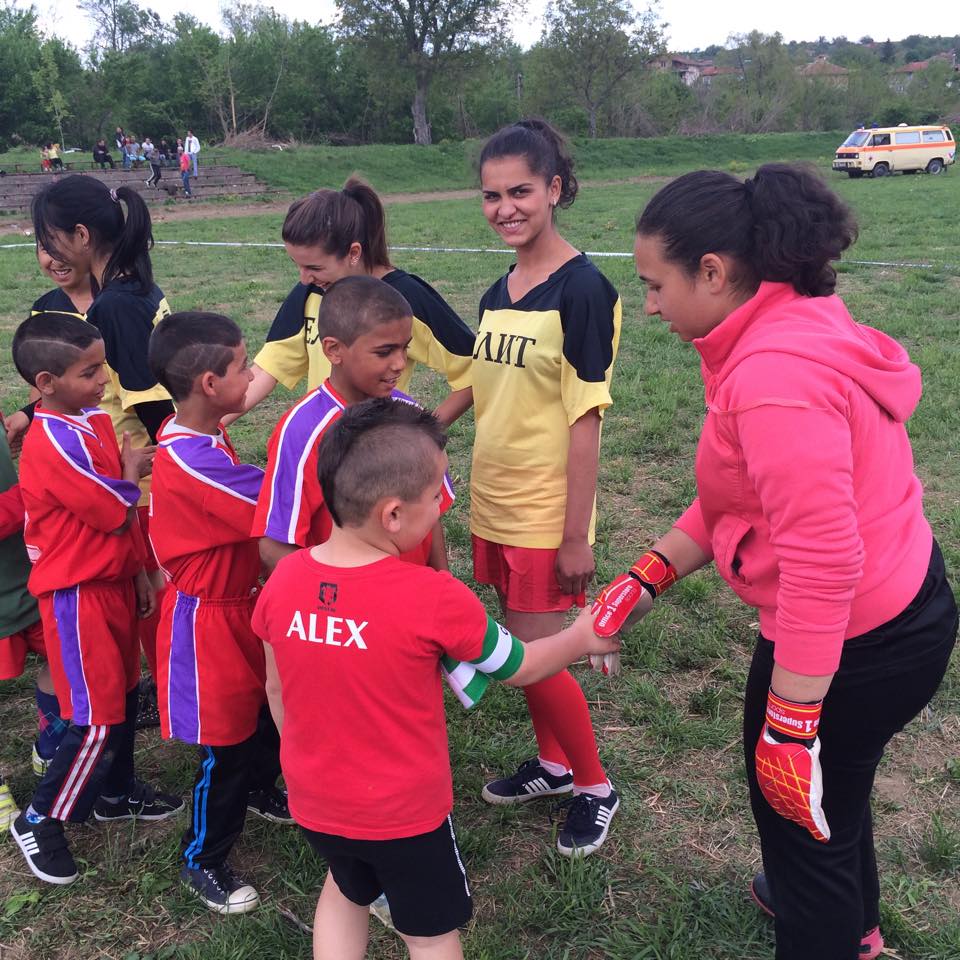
(887,52)
(46,78)
(593,45)
(121,24)
(421,38)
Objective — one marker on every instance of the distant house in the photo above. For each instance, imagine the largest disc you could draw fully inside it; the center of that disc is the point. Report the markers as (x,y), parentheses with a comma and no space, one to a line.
(901,77)
(822,69)
(687,71)
(709,74)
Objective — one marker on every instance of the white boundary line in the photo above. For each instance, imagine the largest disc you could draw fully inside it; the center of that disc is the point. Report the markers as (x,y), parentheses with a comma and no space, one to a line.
(505,251)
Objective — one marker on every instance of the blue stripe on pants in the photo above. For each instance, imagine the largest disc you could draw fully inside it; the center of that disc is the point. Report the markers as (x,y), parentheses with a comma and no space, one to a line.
(201,792)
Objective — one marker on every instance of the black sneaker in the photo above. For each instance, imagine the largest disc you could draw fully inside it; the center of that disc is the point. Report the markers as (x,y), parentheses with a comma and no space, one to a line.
(45,848)
(148,712)
(219,889)
(142,803)
(529,782)
(587,823)
(270,804)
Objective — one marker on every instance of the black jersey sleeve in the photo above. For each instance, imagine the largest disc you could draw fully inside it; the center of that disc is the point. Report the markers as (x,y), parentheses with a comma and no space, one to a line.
(125,322)
(433,311)
(588,313)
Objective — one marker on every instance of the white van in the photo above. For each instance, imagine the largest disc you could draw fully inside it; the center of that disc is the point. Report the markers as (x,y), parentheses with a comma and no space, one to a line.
(883,150)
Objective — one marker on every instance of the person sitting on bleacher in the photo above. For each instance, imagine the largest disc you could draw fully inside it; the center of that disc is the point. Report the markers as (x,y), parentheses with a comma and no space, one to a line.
(102,156)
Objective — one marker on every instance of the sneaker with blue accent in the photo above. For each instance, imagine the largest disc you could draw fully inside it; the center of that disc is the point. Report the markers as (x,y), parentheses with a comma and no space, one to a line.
(587,823)
(142,803)
(220,889)
(529,782)
(45,849)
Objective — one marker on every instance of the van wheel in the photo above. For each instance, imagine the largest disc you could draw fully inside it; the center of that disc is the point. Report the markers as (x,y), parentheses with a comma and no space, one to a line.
(880,170)
(935,166)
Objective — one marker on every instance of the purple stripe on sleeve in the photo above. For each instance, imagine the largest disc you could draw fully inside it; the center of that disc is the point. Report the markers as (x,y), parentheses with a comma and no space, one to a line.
(66,610)
(298,436)
(69,441)
(212,465)
(183,687)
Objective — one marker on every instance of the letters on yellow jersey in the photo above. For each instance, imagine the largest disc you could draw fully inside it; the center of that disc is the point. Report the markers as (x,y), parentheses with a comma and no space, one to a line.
(505,348)
(331,631)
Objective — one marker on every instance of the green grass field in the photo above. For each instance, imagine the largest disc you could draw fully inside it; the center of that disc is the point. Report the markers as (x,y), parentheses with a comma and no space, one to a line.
(670,884)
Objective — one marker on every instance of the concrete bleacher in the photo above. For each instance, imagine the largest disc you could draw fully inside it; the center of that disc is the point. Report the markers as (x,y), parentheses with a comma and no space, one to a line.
(216,180)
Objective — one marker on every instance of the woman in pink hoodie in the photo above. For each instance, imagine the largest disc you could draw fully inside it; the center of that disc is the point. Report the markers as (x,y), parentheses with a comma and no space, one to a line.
(809,506)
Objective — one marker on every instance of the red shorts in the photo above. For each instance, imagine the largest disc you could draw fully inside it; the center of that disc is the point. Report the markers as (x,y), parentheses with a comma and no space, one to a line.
(524,576)
(91,638)
(143,518)
(210,669)
(13,649)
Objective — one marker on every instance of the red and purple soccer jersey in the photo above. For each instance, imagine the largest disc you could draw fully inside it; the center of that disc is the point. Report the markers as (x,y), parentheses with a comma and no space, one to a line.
(291,507)
(210,664)
(75,500)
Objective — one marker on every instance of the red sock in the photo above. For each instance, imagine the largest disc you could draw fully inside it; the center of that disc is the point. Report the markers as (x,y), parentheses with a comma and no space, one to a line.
(561,721)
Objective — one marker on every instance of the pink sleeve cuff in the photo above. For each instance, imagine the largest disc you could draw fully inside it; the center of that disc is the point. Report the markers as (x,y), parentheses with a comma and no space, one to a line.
(806,654)
(691,523)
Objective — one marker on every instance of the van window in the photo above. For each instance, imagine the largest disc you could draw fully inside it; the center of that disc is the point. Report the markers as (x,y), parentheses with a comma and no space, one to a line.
(912,137)
(856,139)
(934,136)
(880,140)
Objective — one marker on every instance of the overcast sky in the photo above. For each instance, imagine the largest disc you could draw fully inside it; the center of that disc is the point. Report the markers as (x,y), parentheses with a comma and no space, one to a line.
(693,24)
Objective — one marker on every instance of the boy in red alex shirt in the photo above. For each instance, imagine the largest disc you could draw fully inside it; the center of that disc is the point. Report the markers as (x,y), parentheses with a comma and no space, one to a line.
(211,676)
(353,640)
(80,495)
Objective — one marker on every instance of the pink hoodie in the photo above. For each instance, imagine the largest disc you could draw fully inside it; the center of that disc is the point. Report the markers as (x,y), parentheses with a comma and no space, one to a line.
(808,502)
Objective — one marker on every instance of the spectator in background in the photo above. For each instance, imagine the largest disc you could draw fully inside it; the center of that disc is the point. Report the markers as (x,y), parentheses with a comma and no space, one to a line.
(120,139)
(163,151)
(53,152)
(185,173)
(192,147)
(45,158)
(152,154)
(102,156)
(126,154)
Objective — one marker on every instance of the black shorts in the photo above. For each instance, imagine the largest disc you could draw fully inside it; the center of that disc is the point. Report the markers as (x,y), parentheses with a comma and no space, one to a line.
(423,877)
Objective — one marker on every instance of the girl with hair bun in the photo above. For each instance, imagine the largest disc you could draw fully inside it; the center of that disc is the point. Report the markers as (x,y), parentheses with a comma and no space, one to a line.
(809,506)
(331,234)
(542,366)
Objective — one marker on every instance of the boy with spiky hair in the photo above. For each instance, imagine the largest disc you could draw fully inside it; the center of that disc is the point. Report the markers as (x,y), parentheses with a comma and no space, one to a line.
(353,639)
(80,494)
(210,676)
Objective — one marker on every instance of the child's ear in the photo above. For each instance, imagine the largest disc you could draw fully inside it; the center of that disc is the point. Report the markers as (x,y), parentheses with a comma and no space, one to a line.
(45,382)
(391,514)
(332,350)
(207,383)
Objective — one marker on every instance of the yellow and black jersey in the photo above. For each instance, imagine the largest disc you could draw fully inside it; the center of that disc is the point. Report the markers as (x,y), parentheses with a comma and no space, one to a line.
(441,339)
(126,318)
(56,301)
(538,366)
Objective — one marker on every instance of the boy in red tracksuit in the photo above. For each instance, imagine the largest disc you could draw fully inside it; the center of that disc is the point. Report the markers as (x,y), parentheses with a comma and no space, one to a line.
(80,493)
(210,665)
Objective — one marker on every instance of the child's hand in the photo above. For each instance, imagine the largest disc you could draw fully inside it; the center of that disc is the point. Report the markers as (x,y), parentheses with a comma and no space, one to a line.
(146,595)
(137,461)
(16,426)
(593,644)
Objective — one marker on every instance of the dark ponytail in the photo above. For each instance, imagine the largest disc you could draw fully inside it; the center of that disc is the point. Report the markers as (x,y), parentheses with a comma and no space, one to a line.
(544,149)
(76,199)
(335,219)
(784,225)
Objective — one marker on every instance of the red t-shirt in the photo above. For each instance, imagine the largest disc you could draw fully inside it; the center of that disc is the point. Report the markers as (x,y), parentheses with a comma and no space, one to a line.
(70,480)
(364,747)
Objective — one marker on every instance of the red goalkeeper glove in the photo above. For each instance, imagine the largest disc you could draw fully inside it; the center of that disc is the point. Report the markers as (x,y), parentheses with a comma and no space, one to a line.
(647,579)
(788,763)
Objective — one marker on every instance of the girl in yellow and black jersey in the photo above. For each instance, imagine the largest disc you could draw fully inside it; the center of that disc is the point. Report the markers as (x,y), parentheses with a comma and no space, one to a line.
(331,234)
(542,364)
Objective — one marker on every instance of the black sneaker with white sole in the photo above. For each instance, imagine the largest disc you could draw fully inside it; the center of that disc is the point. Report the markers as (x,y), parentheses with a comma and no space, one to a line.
(142,803)
(270,804)
(529,782)
(45,848)
(219,889)
(587,823)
